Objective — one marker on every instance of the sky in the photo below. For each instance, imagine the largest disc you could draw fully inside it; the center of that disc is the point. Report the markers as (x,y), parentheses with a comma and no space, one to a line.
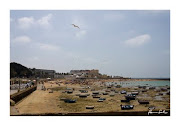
(129,43)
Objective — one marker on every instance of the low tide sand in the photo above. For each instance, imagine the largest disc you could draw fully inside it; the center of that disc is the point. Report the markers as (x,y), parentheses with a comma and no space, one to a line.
(41,101)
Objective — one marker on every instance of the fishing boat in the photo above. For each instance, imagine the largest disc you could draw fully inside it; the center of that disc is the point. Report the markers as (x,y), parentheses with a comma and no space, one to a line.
(69,101)
(96,96)
(83,96)
(123,92)
(130,97)
(95,92)
(69,92)
(102,98)
(134,93)
(89,107)
(83,91)
(143,102)
(127,107)
(105,93)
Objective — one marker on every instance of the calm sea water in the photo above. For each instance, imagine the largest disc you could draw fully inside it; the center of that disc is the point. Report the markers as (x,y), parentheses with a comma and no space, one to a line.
(141,83)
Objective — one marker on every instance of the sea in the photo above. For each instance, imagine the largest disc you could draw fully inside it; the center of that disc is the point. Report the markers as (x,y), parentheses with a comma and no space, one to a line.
(140,83)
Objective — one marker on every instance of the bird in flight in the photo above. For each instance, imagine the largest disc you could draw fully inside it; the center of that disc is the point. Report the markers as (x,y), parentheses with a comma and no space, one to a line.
(75,26)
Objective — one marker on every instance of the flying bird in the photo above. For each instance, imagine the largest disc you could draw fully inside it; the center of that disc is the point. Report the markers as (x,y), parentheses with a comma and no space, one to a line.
(75,26)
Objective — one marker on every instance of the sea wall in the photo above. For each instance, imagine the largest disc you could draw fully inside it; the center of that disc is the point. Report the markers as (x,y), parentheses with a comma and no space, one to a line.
(22,94)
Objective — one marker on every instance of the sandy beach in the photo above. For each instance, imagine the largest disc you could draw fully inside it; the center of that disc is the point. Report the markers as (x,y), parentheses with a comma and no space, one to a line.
(41,101)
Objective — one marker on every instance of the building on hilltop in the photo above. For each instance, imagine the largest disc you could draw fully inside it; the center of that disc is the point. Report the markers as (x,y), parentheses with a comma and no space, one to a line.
(85,73)
(43,73)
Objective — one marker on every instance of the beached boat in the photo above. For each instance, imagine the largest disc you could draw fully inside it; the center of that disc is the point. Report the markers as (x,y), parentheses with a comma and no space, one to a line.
(118,86)
(95,92)
(69,101)
(105,93)
(83,91)
(130,97)
(164,89)
(144,90)
(152,87)
(69,92)
(134,93)
(96,96)
(144,87)
(143,102)
(140,86)
(109,86)
(83,96)
(123,92)
(89,107)
(102,98)
(127,107)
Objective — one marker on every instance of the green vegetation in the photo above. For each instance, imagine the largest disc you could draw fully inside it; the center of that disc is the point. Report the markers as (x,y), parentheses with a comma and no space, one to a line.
(18,70)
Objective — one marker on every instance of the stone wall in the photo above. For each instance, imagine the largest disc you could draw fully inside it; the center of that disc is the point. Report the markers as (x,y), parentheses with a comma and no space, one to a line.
(22,94)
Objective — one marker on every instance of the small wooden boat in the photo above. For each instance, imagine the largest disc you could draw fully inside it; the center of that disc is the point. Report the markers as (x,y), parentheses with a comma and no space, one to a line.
(89,107)
(123,92)
(130,97)
(127,107)
(151,87)
(69,101)
(140,86)
(118,86)
(143,102)
(144,90)
(96,96)
(83,96)
(100,100)
(95,92)
(144,87)
(134,93)
(163,89)
(69,92)
(105,93)
(83,91)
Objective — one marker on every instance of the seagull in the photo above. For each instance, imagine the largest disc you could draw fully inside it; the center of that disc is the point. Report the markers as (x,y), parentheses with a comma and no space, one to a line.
(75,26)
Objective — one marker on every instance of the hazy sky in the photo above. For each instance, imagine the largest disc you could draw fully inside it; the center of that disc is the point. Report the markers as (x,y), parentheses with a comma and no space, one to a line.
(126,43)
